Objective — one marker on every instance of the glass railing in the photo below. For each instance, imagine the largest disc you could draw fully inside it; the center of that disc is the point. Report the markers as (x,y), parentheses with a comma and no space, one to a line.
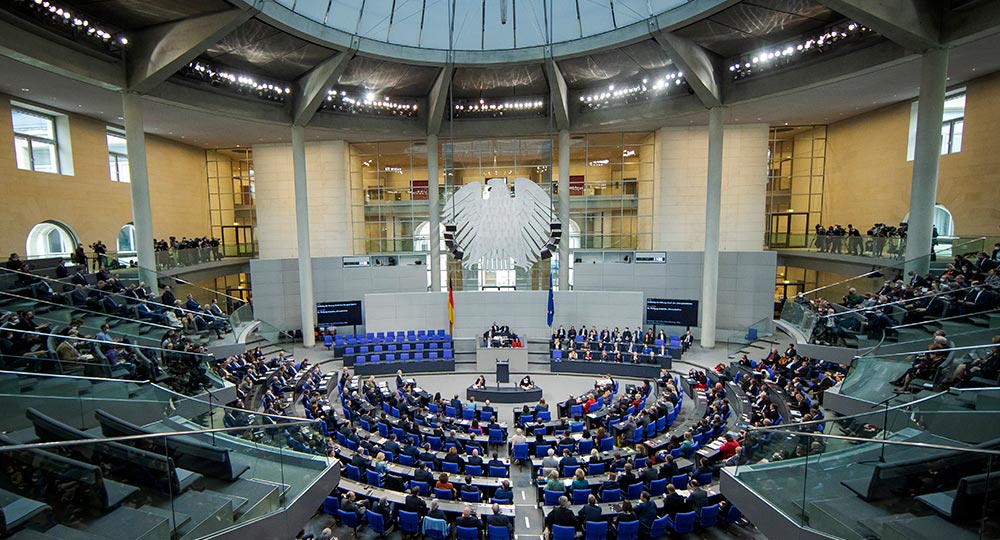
(759,330)
(891,248)
(78,448)
(802,312)
(849,478)
(242,319)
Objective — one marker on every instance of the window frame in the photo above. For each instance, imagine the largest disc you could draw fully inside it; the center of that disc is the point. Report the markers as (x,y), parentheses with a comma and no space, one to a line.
(117,156)
(31,139)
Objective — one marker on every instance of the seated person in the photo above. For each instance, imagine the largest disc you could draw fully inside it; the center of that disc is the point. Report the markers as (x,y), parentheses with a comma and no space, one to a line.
(526,382)
(480,382)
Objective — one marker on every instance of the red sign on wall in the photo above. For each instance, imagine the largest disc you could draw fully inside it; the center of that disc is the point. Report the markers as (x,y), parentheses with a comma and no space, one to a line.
(418,190)
(576,185)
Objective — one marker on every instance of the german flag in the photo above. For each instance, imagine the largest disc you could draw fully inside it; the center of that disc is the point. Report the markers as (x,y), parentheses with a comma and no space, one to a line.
(451,304)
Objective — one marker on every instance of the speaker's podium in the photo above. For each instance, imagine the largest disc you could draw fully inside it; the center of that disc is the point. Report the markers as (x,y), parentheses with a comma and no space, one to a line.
(487,359)
(503,372)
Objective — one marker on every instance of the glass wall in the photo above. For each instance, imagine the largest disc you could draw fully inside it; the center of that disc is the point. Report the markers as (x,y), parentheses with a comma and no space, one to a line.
(231,200)
(388,195)
(797,166)
(611,187)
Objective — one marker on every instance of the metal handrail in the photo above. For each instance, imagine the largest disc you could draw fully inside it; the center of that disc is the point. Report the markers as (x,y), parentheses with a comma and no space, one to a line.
(77,308)
(934,446)
(947,319)
(115,343)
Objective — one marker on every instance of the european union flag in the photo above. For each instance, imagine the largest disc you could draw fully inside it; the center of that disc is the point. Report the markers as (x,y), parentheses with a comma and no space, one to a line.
(552,303)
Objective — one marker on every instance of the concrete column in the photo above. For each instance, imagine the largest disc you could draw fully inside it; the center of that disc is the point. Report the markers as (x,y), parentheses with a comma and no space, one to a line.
(434,212)
(926,156)
(302,237)
(564,254)
(142,216)
(713,211)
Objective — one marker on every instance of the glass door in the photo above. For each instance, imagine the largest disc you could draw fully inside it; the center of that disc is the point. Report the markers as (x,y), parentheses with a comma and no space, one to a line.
(237,241)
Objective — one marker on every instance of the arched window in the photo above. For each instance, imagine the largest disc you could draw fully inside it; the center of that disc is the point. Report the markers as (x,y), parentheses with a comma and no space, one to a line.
(421,237)
(50,238)
(126,239)
(943,221)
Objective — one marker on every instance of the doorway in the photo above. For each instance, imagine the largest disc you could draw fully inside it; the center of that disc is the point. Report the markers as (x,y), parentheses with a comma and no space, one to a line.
(237,241)
(789,230)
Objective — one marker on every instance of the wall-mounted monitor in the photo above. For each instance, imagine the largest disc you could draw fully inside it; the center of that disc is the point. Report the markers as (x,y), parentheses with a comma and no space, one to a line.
(671,312)
(339,313)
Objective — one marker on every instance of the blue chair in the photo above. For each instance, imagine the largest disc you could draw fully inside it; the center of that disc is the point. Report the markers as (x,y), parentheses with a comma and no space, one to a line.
(497,436)
(424,487)
(328,341)
(680,481)
(709,515)
(546,416)
(448,354)
(569,470)
(450,411)
(557,354)
(375,522)
(353,472)
(563,533)
(634,491)
(681,524)
(331,505)
(498,472)
(576,410)
(521,453)
(676,453)
(640,463)
(596,530)
(471,496)
(607,444)
(474,470)
(704,479)
(552,497)
(734,515)
(350,520)
(435,529)
(628,530)
(595,468)
(611,495)
(651,430)
(468,414)
(409,522)
(580,496)
(467,533)
(372,478)
(657,487)
(443,494)
(406,459)
(495,532)
(452,468)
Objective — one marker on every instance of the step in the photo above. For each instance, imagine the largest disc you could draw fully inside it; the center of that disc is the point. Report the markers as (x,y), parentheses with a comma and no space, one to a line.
(28,534)
(841,516)
(262,497)
(130,523)
(68,533)
(209,513)
(177,519)
(925,527)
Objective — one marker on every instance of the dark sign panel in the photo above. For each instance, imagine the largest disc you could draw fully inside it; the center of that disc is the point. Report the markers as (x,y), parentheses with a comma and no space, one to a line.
(338,313)
(671,312)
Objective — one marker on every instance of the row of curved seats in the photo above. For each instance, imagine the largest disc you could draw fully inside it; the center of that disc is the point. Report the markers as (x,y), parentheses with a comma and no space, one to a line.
(447,354)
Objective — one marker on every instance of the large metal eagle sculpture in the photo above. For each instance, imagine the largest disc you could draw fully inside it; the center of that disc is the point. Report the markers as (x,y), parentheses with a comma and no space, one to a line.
(492,227)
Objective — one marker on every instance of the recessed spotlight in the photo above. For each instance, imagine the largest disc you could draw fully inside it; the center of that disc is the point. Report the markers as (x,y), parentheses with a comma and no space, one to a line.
(121,118)
(29,90)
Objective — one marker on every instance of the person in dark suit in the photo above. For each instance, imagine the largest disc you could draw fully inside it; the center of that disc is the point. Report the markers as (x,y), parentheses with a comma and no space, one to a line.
(470,488)
(429,457)
(497,519)
(626,479)
(351,504)
(610,483)
(168,298)
(421,474)
(61,271)
(413,502)
(645,511)
(435,512)
(673,503)
(469,521)
(561,515)
(590,511)
(504,492)
(668,469)
(79,278)
(698,498)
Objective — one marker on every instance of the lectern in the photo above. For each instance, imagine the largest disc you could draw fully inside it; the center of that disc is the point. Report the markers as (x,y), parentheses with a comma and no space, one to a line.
(503,372)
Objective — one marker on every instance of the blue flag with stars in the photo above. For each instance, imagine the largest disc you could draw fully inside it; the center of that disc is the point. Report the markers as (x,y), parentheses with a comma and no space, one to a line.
(552,303)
